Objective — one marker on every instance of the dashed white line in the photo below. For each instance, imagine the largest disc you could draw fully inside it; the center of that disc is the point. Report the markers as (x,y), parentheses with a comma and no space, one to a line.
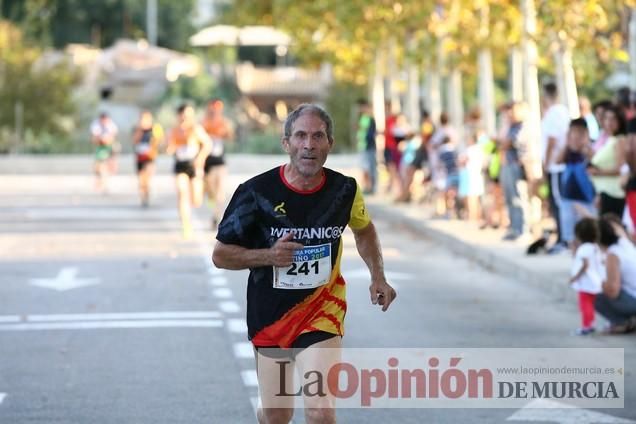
(243,350)
(250,378)
(121,316)
(236,325)
(255,403)
(218,281)
(222,293)
(9,318)
(92,325)
(215,271)
(229,307)
(2,396)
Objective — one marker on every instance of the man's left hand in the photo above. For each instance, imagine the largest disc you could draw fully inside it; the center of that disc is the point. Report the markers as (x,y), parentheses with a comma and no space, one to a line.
(382,294)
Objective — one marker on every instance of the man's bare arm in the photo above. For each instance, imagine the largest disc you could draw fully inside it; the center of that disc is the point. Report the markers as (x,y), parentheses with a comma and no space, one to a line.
(368,245)
(231,256)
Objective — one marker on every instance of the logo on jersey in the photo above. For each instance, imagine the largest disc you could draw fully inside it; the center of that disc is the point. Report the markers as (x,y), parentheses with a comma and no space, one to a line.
(280,209)
(309,233)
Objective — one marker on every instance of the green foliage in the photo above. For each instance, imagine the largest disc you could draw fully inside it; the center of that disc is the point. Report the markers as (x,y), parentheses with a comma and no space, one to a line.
(263,143)
(341,105)
(43,91)
(99,22)
(197,89)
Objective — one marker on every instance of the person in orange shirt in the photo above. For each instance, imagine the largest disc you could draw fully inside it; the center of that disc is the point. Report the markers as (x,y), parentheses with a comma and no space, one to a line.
(219,130)
(190,145)
(146,138)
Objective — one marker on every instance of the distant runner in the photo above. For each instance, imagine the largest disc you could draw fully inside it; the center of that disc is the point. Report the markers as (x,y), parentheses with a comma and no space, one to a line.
(190,145)
(146,138)
(219,130)
(104,137)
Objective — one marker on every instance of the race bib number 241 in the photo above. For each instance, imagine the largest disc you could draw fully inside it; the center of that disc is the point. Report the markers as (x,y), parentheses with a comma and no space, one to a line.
(311,268)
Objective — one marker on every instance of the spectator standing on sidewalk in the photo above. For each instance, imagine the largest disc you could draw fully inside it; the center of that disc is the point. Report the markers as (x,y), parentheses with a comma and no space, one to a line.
(512,172)
(607,162)
(554,127)
(587,273)
(630,177)
(392,152)
(366,147)
(577,190)
(617,302)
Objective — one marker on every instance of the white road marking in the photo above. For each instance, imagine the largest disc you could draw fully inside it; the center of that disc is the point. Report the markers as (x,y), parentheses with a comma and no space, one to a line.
(214,271)
(94,325)
(236,325)
(222,293)
(218,281)
(122,316)
(255,403)
(243,350)
(250,378)
(556,412)
(9,318)
(2,396)
(65,280)
(229,307)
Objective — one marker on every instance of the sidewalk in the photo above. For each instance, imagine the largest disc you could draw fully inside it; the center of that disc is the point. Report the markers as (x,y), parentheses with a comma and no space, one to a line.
(485,247)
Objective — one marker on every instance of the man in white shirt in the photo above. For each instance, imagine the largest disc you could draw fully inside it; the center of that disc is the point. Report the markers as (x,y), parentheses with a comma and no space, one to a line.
(554,128)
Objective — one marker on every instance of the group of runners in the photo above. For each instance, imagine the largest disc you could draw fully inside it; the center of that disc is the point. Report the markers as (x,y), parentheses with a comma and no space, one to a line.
(198,149)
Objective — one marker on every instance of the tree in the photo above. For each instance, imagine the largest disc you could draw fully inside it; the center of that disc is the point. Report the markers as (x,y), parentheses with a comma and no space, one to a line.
(41,91)
(99,22)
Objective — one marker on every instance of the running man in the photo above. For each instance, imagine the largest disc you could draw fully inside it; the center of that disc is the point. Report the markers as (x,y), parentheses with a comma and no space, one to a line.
(272,225)
(146,138)
(190,145)
(104,137)
(220,131)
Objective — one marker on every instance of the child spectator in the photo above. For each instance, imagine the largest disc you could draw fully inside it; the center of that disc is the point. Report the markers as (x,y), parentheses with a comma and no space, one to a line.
(471,180)
(587,272)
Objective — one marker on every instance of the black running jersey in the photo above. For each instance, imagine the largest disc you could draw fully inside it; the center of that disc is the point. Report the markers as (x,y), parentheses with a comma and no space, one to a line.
(283,303)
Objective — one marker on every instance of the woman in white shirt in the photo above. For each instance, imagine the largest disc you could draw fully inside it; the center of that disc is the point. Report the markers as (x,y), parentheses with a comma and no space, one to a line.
(617,302)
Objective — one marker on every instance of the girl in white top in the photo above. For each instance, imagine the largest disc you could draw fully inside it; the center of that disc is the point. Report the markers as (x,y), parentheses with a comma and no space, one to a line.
(617,302)
(587,272)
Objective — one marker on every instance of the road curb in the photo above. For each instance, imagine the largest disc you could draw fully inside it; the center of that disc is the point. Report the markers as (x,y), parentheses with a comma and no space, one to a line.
(554,287)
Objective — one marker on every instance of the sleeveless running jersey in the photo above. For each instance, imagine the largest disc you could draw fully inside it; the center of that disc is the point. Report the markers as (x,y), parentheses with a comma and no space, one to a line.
(283,303)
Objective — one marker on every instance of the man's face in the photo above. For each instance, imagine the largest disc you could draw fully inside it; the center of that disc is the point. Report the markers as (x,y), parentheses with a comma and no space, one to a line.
(308,145)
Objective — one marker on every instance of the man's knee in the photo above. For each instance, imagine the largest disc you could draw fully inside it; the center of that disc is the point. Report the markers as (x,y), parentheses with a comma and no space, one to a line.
(275,415)
(320,415)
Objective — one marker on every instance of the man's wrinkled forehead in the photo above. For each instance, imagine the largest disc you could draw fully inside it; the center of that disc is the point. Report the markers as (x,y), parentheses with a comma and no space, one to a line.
(322,126)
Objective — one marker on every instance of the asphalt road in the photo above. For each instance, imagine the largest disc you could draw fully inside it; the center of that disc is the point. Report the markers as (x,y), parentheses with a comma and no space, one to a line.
(154,334)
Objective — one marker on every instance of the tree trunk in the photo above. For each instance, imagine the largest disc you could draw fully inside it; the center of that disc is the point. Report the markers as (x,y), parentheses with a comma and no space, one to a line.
(455,102)
(516,74)
(393,74)
(433,93)
(531,88)
(532,164)
(486,91)
(378,92)
(413,94)
(632,50)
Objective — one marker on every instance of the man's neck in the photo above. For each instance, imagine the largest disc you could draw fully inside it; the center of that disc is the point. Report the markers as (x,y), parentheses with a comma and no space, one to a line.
(302,182)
